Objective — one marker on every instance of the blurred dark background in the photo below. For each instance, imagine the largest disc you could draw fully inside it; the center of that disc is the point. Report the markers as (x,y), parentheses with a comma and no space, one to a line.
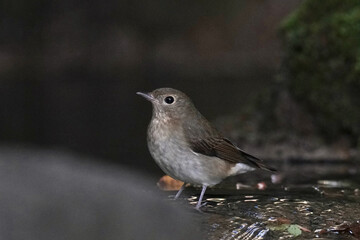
(279,78)
(69,70)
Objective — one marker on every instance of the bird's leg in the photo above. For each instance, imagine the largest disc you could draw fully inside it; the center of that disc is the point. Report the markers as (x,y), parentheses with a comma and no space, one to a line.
(180,191)
(198,205)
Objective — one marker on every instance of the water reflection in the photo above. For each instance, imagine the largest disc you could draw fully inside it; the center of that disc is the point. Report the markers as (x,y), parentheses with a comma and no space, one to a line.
(281,212)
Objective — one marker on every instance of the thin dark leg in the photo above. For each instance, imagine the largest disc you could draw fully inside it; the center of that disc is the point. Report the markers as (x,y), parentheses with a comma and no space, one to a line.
(180,191)
(198,205)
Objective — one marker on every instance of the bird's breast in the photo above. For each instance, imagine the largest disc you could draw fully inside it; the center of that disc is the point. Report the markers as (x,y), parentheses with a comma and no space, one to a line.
(167,147)
(170,151)
(165,140)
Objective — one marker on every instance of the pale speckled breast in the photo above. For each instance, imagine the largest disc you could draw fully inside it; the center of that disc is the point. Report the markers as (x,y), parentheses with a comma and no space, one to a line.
(170,151)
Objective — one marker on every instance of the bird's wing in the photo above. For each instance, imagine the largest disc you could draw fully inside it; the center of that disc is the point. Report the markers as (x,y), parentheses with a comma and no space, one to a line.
(202,138)
(224,149)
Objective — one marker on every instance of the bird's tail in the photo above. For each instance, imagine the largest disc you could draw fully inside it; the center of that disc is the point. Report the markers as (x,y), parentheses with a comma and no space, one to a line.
(257,162)
(264,167)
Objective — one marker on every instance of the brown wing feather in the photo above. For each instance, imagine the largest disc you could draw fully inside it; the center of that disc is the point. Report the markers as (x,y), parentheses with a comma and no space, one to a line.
(204,139)
(224,149)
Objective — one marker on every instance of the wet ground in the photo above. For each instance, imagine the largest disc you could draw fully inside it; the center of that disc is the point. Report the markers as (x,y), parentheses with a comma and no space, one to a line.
(305,200)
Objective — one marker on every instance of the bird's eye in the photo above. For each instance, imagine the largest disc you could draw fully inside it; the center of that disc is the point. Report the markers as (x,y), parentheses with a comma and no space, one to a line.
(169,99)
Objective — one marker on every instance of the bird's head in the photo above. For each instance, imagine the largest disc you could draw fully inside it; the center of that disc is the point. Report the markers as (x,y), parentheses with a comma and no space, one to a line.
(169,103)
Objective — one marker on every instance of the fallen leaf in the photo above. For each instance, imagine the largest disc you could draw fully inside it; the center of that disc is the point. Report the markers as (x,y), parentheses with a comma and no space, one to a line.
(284,224)
(294,230)
(281,227)
(279,220)
(167,183)
(304,229)
(345,227)
(355,229)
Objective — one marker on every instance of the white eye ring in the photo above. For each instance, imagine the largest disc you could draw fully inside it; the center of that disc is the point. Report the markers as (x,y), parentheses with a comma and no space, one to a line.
(169,100)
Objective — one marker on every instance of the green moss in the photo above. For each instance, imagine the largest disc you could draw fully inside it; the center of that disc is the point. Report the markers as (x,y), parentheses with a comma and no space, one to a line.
(322,43)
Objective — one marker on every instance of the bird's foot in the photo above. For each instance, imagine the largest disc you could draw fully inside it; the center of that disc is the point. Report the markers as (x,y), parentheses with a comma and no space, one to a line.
(199,205)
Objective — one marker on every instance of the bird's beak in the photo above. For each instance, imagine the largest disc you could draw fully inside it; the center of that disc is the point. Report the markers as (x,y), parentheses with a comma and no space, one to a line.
(147,96)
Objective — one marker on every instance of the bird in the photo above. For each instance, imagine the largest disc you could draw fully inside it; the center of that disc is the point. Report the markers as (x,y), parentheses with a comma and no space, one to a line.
(187,147)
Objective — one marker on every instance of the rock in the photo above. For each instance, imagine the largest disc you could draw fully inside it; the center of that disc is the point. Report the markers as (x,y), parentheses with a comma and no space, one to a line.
(53,195)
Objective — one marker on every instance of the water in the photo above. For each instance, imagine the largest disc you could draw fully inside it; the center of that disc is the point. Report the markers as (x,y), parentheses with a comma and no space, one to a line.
(303,207)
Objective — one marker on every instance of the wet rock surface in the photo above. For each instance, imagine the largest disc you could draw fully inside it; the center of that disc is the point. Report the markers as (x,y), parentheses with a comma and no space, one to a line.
(308,205)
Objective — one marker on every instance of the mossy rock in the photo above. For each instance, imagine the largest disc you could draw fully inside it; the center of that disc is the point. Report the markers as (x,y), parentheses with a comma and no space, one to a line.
(322,64)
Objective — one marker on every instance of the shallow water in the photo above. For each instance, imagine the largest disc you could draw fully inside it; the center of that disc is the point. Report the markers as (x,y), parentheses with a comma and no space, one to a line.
(309,201)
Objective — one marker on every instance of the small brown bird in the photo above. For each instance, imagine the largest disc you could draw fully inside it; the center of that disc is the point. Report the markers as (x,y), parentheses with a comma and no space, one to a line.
(187,147)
